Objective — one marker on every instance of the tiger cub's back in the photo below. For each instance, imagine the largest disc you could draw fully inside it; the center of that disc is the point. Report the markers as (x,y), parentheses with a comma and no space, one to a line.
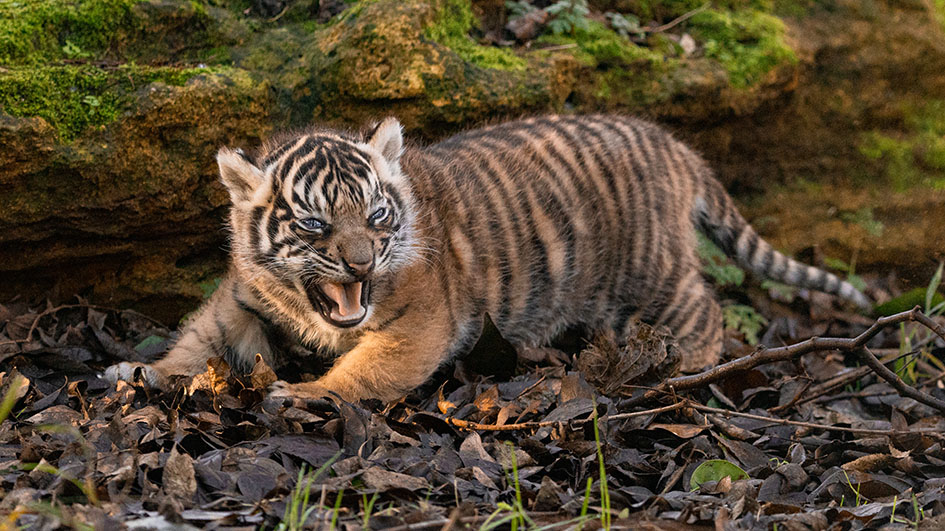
(550,221)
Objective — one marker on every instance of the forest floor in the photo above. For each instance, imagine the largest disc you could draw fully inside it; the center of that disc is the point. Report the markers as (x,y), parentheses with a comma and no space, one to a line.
(555,439)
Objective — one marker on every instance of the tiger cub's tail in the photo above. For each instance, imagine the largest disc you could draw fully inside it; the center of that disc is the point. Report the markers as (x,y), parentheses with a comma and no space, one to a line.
(717,216)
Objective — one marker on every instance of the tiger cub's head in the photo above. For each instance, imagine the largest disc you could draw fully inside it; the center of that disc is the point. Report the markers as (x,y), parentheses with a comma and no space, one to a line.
(324,215)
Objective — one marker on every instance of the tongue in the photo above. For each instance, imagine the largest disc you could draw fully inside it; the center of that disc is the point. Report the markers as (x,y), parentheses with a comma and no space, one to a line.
(348,299)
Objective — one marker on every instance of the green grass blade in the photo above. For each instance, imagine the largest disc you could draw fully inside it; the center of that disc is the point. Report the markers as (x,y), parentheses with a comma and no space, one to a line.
(9,399)
(933,286)
(336,510)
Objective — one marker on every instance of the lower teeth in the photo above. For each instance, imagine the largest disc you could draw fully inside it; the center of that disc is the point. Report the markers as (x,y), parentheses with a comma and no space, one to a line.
(336,317)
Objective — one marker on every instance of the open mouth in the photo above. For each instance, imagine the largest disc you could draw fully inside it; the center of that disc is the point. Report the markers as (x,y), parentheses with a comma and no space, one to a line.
(342,305)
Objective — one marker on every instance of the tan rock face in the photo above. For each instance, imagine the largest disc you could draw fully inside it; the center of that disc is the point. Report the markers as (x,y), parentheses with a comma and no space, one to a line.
(125,207)
(133,210)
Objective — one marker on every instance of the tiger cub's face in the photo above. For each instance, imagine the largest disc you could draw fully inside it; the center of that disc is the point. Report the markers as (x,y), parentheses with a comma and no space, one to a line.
(324,215)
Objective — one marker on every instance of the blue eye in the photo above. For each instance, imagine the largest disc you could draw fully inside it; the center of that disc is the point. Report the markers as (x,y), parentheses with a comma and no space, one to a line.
(379,215)
(312,224)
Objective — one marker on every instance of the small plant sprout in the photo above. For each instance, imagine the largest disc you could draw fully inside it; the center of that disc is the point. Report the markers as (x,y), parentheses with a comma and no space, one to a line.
(367,507)
(859,500)
(920,339)
(336,509)
(625,25)
(717,265)
(587,499)
(570,16)
(298,510)
(604,494)
(917,512)
(744,319)
(516,515)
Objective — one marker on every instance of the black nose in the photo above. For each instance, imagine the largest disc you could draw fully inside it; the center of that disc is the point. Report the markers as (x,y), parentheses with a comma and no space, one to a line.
(359,269)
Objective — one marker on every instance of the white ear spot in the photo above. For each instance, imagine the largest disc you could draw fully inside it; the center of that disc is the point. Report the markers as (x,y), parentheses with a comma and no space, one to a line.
(388,139)
(238,174)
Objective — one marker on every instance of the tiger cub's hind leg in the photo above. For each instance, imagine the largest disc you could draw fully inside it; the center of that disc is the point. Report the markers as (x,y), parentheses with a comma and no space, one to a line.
(695,319)
(699,331)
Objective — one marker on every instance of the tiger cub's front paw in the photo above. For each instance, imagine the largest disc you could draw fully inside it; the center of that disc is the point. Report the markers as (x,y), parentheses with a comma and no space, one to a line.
(125,371)
(302,391)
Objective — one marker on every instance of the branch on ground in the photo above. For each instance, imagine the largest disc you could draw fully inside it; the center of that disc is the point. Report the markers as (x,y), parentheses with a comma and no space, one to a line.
(762,356)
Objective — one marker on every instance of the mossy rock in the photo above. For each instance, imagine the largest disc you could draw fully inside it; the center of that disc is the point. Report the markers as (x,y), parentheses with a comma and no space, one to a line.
(73,98)
(111,112)
(131,206)
(408,57)
(41,31)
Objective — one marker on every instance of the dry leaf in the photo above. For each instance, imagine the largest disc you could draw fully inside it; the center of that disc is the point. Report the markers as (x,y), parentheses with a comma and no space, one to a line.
(869,463)
(382,480)
(684,431)
(262,376)
(179,479)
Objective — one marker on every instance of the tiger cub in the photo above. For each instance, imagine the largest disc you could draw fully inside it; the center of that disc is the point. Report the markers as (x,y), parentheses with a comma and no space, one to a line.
(388,257)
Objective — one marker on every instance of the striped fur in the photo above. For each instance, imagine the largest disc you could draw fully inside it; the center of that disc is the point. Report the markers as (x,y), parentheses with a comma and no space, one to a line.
(543,223)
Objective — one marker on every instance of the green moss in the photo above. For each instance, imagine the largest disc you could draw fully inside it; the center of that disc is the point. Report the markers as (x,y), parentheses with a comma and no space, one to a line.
(634,88)
(915,156)
(36,31)
(451,26)
(933,151)
(619,71)
(666,10)
(73,98)
(599,46)
(927,116)
(939,12)
(794,8)
(748,43)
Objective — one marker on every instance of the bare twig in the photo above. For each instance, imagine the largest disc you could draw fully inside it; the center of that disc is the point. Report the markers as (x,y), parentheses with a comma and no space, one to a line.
(468,425)
(730,430)
(764,356)
(844,379)
(557,48)
(678,20)
(835,383)
(283,12)
(797,396)
(685,403)
(862,431)
(894,380)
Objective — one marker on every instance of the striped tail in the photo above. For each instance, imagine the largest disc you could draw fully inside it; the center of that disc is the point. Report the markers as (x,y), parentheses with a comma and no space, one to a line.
(717,216)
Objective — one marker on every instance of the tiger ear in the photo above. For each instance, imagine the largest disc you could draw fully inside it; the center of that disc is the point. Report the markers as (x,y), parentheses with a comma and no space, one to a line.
(238,174)
(388,138)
